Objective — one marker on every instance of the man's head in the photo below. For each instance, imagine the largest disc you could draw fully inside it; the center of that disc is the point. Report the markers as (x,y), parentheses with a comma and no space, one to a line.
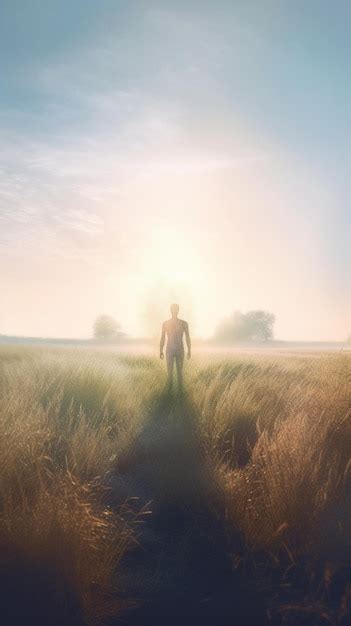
(174,309)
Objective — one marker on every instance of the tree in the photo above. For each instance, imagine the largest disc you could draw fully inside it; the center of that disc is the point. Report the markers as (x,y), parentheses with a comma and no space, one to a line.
(251,326)
(232,328)
(106,327)
(260,325)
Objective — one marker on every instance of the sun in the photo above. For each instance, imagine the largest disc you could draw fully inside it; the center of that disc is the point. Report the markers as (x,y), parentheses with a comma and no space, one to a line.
(168,268)
(172,258)
(171,271)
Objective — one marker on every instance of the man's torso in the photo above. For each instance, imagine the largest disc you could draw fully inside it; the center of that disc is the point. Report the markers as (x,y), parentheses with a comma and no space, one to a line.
(175,330)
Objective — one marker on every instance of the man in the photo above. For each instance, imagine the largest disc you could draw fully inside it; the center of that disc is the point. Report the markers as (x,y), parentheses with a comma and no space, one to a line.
(175,329)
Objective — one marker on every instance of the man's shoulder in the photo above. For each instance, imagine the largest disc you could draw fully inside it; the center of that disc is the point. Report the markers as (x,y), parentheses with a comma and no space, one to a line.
(184,323)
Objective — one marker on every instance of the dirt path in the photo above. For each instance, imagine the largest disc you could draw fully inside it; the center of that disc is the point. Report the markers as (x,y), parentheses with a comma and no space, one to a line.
(183,566)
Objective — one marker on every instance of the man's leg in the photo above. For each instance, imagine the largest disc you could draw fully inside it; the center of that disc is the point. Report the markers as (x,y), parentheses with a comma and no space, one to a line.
(179,363)
(170,366)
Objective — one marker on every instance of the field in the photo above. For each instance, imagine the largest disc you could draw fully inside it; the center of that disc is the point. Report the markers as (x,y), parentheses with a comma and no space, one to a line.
(120,503)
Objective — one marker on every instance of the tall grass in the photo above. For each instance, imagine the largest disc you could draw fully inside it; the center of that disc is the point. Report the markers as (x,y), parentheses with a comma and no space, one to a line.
(277,432)
(65,417)
(276,436)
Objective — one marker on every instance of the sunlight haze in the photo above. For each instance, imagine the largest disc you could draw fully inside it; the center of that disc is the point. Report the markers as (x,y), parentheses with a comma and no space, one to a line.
(156,151)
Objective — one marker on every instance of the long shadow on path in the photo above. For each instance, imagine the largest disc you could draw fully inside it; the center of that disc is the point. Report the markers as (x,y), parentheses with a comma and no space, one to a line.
(182,568)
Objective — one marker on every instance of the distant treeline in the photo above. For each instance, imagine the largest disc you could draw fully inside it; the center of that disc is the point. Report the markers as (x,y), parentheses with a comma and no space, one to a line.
(250,326)
(253,327)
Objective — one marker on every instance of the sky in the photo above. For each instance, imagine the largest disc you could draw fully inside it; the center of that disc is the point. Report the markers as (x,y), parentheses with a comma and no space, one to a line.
(153,151)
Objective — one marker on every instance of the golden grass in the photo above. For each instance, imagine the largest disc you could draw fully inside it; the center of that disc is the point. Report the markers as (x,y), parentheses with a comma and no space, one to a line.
(64,420)
(277,432)
(276,435)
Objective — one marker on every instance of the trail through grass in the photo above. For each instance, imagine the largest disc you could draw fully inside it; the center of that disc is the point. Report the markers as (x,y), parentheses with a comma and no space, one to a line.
(119,502)
(183,567)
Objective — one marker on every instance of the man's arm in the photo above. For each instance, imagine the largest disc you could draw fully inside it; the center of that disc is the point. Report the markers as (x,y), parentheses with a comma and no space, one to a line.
(162,340)
(187,339)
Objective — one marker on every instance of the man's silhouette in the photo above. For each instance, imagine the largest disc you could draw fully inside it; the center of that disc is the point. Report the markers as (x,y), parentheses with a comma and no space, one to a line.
(175,329)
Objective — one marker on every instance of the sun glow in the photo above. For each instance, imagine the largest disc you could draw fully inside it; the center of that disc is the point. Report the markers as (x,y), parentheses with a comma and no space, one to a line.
(171,258)
(171,271)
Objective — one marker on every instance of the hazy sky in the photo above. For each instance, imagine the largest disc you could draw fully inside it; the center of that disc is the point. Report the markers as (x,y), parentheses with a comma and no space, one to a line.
(161,150)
